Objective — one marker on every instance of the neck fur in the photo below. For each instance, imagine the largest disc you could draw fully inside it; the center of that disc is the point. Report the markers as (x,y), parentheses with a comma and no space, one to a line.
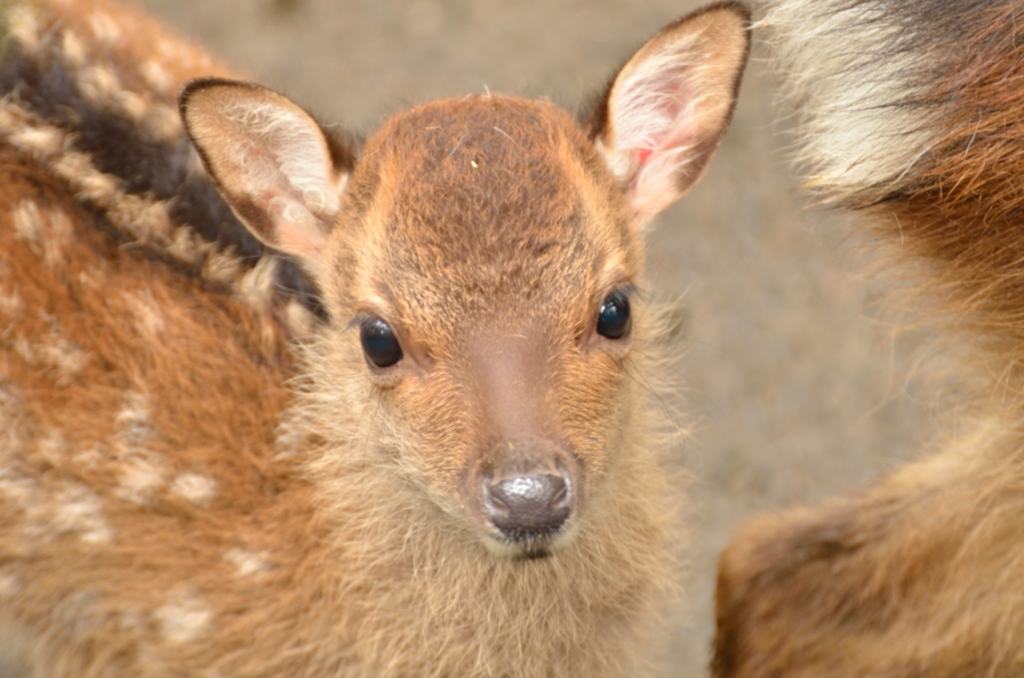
(417,593)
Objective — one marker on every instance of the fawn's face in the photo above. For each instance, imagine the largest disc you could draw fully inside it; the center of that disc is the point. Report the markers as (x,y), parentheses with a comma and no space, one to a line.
(485,261)
(478,264)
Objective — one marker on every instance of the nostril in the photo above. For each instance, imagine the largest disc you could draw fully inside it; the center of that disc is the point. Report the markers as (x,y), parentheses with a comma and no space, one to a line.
(497,505)
(528,506)
(561,497)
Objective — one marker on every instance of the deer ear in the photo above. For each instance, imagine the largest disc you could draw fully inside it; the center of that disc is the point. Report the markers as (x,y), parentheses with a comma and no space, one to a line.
(271,161)
(664,114)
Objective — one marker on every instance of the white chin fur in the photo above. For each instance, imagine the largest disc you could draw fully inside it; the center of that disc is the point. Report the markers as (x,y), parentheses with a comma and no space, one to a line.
(503,547)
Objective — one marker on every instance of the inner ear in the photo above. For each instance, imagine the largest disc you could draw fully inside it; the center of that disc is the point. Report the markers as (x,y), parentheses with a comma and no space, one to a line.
(271,161)
(664,114)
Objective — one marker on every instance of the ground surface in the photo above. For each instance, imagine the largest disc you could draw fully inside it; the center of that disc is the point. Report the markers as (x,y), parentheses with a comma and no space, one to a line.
(792,382)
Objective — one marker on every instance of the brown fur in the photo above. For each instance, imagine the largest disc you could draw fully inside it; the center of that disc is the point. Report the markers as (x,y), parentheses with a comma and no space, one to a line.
(199,478)
(922,574)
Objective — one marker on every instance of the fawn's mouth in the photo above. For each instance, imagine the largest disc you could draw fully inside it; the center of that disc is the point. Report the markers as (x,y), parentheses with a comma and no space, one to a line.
(533,547)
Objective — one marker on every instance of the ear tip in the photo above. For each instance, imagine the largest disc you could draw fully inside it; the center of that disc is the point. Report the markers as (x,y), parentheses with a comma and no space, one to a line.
(740,9)
(197,86)
(726,24)
(734,16)
(733,20)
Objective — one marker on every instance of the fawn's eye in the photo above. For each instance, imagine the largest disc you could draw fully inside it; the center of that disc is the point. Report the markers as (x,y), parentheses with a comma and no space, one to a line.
(379,343)
(613,318)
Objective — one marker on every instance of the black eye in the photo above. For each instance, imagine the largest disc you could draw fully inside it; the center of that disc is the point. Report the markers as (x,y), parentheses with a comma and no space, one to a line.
(379,343)
(613,318)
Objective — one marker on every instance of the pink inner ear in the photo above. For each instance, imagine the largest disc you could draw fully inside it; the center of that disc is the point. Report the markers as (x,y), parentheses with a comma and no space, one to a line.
(652,111)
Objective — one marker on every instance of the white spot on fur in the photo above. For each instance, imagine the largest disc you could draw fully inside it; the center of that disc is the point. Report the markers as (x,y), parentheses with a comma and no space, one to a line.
(39,141)
(186,247)
(10,302)
(141,471)
(195,488)
(143,218)
(23,348)
(79,511)
(247,562)
(99,84)
(53,351)
(133,420)
(10,585)
(149,319)
(139,478)
(102,86)
(104,28)
(91,278)
(28,224)
(258,285)
(137,108)
(184,618)
(56,508)
(97,187)
(73,49)
(292,438)
(165,122)
(23,27)
(68,357)
(47,232)
(221,267)
(156,77)
(58,239)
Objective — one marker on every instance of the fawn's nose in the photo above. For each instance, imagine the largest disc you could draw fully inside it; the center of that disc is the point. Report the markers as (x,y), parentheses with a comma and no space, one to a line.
(528,506)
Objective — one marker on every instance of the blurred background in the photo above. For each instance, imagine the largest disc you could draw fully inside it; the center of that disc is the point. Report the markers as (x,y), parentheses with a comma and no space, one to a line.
(792,376)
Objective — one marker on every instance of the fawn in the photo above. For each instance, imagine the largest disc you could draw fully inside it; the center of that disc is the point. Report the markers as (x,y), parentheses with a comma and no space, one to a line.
(910,115)
(376,411)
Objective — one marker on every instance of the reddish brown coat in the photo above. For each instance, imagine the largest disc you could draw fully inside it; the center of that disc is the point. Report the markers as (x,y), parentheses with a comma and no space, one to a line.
(911,115)
(200,471)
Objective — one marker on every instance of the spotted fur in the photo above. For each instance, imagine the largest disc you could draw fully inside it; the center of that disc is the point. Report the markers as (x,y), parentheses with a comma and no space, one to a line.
(199,477)
(91,91)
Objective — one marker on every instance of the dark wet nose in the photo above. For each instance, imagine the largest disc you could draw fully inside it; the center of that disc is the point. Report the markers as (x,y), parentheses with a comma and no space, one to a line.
(528,506)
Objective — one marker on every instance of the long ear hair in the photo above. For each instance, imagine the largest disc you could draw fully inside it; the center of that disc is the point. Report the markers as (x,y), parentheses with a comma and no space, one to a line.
(279,171)
(662,117)
(912,114)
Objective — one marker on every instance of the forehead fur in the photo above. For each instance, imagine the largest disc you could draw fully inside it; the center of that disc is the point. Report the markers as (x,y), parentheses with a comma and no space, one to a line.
(474,198)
